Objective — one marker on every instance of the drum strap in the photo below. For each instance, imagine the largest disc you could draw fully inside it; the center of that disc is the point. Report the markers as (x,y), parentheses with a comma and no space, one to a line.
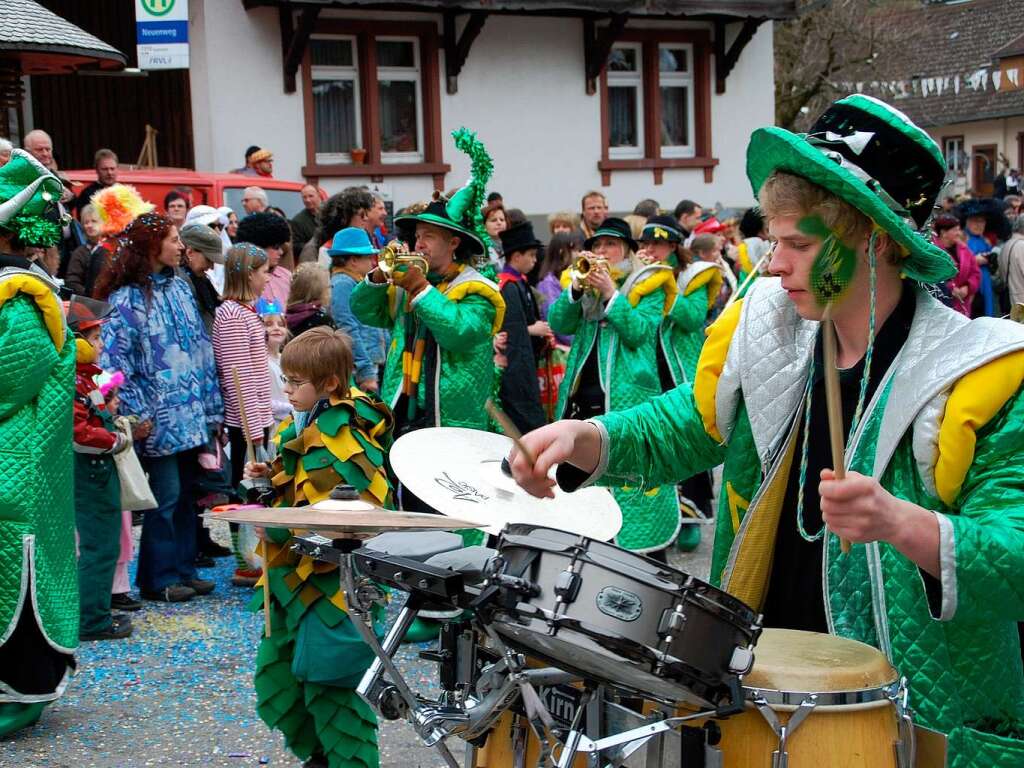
(754,549)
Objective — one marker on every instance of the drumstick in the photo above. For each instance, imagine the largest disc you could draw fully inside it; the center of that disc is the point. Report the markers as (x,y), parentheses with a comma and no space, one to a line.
(833,402)
(250,453)
(510,429)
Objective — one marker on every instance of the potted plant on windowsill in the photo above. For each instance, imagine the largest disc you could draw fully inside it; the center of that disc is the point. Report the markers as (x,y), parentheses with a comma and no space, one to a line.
(358,155)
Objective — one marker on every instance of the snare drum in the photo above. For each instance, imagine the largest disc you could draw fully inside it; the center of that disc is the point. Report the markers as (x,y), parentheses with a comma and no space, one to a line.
(839,701)
(618,618)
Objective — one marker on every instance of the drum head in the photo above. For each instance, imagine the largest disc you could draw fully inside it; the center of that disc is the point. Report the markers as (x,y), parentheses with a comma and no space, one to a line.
(790,660)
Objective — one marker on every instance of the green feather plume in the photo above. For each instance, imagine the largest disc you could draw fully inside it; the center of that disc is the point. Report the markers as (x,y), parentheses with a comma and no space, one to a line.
(35,230)
(466,204)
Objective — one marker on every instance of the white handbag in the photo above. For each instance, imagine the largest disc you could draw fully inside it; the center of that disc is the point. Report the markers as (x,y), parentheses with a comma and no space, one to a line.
(136,494)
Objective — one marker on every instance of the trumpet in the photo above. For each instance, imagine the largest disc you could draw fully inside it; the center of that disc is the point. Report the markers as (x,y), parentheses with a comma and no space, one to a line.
(584,265)
(390,259)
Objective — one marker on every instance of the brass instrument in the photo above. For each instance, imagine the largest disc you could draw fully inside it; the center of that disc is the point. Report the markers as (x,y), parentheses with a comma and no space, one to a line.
(390,258)
(584,265)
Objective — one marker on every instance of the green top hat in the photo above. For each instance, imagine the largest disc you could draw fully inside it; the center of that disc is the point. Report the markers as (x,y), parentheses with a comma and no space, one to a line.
(873,157)
(28,200)
(461,214)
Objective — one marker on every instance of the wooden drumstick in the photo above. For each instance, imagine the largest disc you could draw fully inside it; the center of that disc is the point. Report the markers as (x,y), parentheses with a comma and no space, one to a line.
(250,453)
(510,430)
(833,402)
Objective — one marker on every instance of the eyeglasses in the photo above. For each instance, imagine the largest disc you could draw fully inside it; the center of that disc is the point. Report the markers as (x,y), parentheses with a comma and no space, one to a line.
(296,383)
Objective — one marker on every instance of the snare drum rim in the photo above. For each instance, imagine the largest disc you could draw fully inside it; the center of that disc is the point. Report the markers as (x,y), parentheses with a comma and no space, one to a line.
(773,697)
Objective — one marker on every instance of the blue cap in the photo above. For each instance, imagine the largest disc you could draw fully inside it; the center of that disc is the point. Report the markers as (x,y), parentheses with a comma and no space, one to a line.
(351,241)
(265,307)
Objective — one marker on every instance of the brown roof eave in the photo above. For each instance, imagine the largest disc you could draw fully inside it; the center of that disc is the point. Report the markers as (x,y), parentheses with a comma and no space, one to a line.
(648,9)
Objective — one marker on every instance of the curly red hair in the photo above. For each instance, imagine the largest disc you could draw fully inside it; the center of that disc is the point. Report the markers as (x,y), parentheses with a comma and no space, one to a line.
(132,263)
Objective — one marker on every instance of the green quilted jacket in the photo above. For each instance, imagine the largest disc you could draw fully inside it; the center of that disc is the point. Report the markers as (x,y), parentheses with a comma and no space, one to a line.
(626,334)
(463,317)
(37,516)
(945,431)
(681,335)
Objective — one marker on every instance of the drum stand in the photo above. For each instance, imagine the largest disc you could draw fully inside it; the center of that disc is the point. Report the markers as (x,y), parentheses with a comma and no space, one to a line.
(471,715)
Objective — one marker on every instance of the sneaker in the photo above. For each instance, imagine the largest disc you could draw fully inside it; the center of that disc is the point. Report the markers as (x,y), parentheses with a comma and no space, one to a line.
(119,629)
(246,577)
(200,586)
(316,761)
(123,601)
(173,593)
(213,549)
(204,561)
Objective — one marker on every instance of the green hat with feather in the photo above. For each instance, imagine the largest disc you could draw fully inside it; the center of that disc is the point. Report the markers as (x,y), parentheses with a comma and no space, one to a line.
(461,213)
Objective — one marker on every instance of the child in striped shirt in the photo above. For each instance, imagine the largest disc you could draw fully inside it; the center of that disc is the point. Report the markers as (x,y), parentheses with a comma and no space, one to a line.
(240,351)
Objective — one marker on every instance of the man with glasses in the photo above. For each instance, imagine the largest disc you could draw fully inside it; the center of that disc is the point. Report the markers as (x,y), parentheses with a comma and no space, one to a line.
(254,200)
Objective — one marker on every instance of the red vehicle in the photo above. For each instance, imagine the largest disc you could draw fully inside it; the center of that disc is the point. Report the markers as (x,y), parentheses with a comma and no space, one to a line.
(214,189)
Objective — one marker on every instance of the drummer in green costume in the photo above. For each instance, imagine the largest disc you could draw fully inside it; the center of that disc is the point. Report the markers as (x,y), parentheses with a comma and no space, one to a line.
(38,576)
(614,314)
(309,666)
(933,499)
(680,338)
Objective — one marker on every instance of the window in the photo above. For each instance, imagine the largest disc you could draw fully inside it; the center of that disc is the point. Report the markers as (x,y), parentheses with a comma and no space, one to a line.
(953,149)
(656,98)
(372,100)
(625,102)
(675,92)
(398,92)
(335,89)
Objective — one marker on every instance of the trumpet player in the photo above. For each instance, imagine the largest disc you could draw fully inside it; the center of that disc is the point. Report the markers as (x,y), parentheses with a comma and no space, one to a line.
(614,307)
(442,314)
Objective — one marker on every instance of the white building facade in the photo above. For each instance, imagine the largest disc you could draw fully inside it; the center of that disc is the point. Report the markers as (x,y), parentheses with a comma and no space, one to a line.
(374,101)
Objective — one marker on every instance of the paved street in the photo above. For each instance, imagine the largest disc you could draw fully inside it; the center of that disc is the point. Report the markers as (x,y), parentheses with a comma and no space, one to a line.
(179,693)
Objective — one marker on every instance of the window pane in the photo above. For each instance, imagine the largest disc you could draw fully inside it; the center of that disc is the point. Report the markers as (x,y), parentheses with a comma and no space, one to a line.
(672,60)
(398,115)
(396,53)
(675,118)
(331,53)
(334,115)
(622,60)
(622,117)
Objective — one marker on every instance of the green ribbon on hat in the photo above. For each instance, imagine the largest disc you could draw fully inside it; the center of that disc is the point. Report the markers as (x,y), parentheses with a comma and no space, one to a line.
(466,206)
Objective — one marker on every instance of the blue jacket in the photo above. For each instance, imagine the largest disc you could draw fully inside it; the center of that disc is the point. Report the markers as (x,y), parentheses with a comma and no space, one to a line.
(161,347)
(369,344)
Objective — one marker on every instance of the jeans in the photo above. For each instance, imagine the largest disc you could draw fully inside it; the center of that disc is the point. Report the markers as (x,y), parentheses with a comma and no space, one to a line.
(167,549)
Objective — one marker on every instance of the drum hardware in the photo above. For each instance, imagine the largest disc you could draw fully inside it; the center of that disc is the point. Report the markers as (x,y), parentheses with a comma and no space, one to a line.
(780,757)
(906,745)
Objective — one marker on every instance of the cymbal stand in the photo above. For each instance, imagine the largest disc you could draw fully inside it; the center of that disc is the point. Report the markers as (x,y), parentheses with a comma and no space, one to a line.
(627,742)
(360,596)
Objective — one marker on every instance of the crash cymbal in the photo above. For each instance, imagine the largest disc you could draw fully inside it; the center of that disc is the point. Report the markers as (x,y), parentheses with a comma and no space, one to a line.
(338,517)
(458,472)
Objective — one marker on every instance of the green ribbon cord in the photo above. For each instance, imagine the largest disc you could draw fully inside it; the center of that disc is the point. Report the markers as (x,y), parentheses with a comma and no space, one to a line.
(833,267)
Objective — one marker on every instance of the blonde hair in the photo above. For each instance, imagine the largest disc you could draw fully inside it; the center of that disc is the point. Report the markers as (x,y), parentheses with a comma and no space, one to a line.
(241,261)
(310,285)
(636,224)
(318,354)
(785,194)
(562,217)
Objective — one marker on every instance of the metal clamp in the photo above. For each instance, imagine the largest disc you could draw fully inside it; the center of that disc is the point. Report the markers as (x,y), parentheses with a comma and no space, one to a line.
(780,757)
(906,746)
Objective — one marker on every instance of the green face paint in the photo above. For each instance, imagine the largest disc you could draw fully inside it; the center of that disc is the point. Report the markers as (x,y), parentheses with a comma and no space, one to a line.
(833,267)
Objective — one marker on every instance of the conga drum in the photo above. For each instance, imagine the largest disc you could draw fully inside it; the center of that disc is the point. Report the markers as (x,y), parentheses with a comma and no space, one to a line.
(818,701)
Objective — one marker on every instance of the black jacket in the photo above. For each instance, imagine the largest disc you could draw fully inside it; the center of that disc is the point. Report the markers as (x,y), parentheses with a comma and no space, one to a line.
(520,389)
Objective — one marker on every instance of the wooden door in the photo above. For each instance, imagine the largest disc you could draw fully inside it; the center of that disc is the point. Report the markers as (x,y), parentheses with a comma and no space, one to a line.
(983,169)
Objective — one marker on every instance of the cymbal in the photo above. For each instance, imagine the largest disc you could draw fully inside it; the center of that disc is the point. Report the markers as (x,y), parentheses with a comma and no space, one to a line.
(458,472)
(340,517)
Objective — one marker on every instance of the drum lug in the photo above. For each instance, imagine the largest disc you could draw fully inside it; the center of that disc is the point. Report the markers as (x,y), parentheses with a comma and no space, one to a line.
(780,757)
(906,746)
(567,586)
